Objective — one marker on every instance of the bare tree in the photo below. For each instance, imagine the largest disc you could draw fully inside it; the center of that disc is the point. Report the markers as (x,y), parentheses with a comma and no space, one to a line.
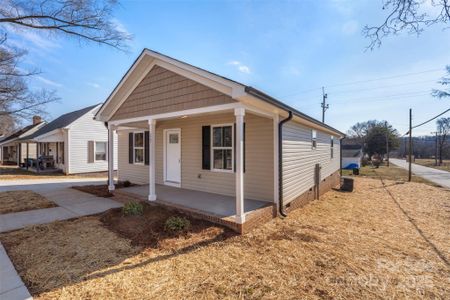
(17,101)
(84,20)
(445,81)
(412,16)
(443,128)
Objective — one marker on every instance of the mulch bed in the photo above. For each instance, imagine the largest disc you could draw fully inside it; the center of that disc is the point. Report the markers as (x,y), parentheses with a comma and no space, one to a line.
(100,190)
(148,229)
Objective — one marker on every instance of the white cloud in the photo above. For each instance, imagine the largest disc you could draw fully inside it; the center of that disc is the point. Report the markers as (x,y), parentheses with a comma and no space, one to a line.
(48,81)
(93,84)
(120,27)
(240,66)
(350,27)
(24,35)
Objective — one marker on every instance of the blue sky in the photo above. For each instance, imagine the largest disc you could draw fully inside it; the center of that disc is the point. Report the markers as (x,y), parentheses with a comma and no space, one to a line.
(287,49)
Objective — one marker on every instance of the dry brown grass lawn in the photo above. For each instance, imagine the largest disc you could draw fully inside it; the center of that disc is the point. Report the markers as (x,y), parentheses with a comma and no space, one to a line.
(392,172)
(431,163)
(360,245)
(15,173)
(15,201)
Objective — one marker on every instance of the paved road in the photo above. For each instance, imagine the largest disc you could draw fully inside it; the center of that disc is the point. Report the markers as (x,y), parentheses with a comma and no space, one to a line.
(439,177)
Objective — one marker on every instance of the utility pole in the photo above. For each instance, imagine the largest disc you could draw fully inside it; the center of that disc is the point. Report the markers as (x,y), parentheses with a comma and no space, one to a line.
(324,104)
(387,143)
(410,145)
(436,148)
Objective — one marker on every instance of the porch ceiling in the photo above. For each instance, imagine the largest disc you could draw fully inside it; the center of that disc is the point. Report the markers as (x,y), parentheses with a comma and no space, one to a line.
(209,203)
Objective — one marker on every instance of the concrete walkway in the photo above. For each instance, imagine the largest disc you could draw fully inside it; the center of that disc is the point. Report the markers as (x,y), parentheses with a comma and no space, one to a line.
(71,204)
(11,286)
(439,177)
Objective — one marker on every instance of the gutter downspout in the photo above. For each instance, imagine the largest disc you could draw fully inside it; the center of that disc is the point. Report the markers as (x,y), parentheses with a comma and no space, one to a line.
(280,164)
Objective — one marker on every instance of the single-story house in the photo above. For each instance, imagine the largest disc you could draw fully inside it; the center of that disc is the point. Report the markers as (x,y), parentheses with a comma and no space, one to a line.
(352,156)
(13,150)
(209,144)
(72,143)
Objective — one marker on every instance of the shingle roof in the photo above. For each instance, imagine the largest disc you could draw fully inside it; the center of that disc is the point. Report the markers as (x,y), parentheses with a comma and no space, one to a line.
(20,132)
(61,122)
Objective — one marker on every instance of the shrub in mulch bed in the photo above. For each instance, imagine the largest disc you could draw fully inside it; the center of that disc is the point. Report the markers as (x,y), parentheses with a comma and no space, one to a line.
(149,229)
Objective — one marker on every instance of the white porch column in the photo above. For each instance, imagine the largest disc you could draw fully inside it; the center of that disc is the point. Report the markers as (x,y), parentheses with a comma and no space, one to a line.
(151,167)
(240,214)
(111,186)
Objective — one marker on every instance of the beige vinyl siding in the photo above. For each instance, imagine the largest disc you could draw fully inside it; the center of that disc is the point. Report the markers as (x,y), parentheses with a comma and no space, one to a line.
(258,178)
(163,91)
(81,131)
(299,159)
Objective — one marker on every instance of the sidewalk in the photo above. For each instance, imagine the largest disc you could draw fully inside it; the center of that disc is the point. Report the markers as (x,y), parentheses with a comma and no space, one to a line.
(11,286)
(71,204)
(439,177)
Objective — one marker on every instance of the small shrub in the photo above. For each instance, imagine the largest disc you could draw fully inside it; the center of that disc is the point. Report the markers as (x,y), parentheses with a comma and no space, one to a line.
(133,208)
(364,162)
(177,224)
(126,183)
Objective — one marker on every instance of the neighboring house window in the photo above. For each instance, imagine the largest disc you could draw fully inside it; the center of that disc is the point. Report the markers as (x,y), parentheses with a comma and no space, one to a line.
(138,147)
(100,150)
(313,139)
(222,147)
(332,146)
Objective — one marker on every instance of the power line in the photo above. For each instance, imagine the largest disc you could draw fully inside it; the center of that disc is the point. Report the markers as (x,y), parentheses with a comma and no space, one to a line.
(431,119)
(363,81)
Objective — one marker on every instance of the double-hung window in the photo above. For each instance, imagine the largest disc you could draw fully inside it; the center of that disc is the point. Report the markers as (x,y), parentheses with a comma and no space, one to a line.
(313,139)
(138,148)
(100,150)
(222,147)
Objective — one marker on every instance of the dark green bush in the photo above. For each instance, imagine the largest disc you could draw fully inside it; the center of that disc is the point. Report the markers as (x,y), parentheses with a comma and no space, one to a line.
(133,208)
(126,183)
(177,224)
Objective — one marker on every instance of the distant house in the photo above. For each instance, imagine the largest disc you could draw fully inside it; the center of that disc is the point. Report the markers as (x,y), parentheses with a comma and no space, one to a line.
(13,151)
(72,143)
(352,156)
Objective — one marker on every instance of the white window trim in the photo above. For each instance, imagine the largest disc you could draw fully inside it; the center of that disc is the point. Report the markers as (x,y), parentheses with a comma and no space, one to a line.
(134,147)
(222,148)
(95,151)
(313,139)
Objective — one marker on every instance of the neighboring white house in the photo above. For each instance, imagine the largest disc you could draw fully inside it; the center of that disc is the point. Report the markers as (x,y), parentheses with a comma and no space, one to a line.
(13,151)
(73,143)
(351,157)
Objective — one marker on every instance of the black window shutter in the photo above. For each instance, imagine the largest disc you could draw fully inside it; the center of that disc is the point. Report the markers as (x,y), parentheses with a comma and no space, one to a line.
(206,147)
(130,148)
(146,147)
(234,149)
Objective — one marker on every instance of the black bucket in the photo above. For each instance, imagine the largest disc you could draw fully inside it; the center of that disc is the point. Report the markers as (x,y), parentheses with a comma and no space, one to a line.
(346,184)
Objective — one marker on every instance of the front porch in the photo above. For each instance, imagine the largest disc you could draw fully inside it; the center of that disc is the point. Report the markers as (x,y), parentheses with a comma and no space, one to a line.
(206,203)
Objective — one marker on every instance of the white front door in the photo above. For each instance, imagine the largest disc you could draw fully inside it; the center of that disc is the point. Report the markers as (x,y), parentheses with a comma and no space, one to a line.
(172,157)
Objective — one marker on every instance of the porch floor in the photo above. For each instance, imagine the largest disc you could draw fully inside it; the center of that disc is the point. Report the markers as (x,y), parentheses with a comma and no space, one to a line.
(209,203)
